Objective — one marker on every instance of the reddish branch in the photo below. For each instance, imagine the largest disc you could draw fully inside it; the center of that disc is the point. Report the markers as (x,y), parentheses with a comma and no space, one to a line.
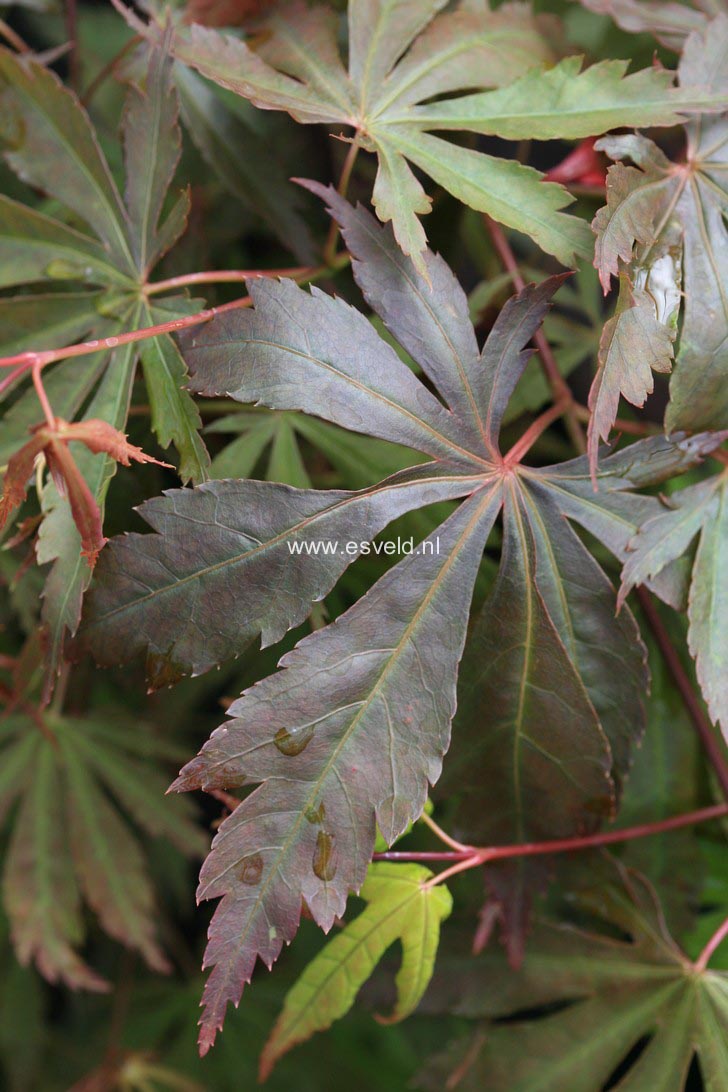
(34,361)
(717,938)
(224,276)
(473,856)
(712,746)
(13,38)
(559,386)
(532,433)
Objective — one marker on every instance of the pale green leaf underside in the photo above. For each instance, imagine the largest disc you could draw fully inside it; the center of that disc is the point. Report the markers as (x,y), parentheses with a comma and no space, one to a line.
(299,70)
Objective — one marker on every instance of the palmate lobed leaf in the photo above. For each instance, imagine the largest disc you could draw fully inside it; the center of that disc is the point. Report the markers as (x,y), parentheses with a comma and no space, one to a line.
(698,510)
(70,843)
(403,54)
(51,144)
(613,995)
(400,907)
(660,218)
(361,744)
(563,682)
(352,729)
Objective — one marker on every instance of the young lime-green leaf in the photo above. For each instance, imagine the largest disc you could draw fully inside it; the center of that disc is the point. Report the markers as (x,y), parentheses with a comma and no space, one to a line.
(400,907)
(565,103)
(298,69)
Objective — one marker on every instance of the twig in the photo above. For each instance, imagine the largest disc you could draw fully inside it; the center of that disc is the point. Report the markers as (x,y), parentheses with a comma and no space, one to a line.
(42,396)
(472,857)
(443,835)
(559,386)
(632,428)
(107,70)
(224,276)
(690,700)
(13,38)
(72,33)
(225,798)
(333,236)
(532,433)
(37,360)
(31,359)
(717,938)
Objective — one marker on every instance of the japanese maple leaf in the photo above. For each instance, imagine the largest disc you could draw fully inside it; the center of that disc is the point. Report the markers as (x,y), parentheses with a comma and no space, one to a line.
(402,58)
(353,728)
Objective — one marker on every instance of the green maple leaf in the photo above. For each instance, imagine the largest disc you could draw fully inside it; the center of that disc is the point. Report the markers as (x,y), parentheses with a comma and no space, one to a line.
(403,54)
(352,729)
(51,144)
(276,437)
(69,842)
(400,907)
(613,993)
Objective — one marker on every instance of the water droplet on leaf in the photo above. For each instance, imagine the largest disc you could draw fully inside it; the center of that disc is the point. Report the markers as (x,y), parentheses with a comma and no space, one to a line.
(324,863)
(316,815)
(61,270)
(292,743)
(251,869)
